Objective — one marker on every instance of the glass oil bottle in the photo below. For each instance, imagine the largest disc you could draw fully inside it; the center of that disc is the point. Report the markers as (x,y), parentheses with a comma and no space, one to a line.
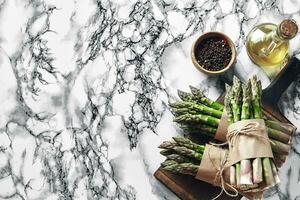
(268,45)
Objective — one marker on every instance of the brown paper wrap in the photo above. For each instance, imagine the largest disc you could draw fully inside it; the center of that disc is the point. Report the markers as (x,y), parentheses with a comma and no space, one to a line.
(248,139)
(222,128)
(214,170)
(210,164)
(222,131)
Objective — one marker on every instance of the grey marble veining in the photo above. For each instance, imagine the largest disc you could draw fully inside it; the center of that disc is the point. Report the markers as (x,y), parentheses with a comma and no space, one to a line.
(85,87)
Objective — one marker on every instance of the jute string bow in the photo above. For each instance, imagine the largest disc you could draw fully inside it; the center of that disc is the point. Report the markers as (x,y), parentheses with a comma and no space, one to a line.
(250,129)
(220,179)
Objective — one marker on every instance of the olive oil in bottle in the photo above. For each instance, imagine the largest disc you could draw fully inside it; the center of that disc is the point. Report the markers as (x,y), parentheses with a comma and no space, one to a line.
(268,45)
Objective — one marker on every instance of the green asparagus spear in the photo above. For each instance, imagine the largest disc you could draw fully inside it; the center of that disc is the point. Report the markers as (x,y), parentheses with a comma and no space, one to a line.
(168,145)
(166,152)
(181,159)
(246,101)
(196,107)
(182,111)
(168,162)
(184,96)
(188,152)
(183,168)
(256,99)
(284,128)
(278,135)
(279,147)
(199,129)
(256,103)
(206,119)
(268,174)
(198,94)
(227,102)
(238,173)
(236,100)
(184,147)
(246,170)
(182,141)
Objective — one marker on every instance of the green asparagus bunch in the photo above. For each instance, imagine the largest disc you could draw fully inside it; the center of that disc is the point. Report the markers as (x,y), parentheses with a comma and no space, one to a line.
(182,156)
(242,106)
(197,114)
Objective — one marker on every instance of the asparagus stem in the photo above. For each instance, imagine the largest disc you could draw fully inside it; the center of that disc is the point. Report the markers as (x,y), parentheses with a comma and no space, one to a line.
(166,152)
(227,101)
(246,101)
(206,119)
(236,104)
(198,94)
(230,119)
(167,163)
(181,159)
(283,127)
(188,152)
(246,173)
(279,147)
(236,100)
(256,103)
(191,106)
(206,132)
(238,174)
(232,175)
(200,128)
(184,147)
(183,111)
(181,141)
(257,171)
(246,114)
(278,135)
(246,166)
(183,168)
(168,145)
(268,174)
(185,96)
(275,173)
(256,99)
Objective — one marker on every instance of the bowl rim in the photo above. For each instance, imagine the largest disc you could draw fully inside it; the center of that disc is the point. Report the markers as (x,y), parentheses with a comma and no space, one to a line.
(210,34)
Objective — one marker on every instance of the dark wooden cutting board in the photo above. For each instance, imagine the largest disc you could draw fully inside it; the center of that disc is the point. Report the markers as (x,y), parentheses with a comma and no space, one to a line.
(187,187)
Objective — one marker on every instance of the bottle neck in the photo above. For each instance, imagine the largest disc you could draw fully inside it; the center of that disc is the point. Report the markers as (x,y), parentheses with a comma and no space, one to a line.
(276,36)
(275,40)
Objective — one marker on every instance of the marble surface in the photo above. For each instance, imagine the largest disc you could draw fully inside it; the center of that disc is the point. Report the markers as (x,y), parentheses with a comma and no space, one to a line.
(85,87)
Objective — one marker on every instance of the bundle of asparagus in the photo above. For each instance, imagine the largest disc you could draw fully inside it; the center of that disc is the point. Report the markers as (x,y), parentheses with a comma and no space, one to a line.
(182,156)
(242,103)
(197,114)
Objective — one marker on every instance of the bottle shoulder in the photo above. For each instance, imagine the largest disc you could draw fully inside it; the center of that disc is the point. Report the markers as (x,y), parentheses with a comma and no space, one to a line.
(261,30)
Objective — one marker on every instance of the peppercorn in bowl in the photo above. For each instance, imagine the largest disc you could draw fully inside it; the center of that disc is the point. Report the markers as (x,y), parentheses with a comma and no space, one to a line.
(213,53)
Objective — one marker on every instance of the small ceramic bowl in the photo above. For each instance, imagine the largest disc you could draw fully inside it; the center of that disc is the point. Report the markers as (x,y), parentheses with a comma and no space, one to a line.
(213,34)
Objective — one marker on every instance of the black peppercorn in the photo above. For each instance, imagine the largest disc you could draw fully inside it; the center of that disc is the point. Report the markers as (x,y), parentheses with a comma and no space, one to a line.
(213,53)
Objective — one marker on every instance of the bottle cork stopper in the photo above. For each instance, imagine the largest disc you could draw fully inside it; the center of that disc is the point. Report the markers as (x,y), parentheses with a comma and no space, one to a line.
(288,29)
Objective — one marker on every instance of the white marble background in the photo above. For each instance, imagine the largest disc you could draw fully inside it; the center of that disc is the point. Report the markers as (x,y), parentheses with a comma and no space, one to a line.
(85,87)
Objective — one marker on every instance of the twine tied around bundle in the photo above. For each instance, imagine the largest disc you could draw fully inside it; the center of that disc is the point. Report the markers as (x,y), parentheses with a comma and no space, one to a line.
(250,129)
(219,176)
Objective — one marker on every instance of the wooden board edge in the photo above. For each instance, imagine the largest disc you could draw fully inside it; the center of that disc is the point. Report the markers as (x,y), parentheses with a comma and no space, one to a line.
(171,185)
